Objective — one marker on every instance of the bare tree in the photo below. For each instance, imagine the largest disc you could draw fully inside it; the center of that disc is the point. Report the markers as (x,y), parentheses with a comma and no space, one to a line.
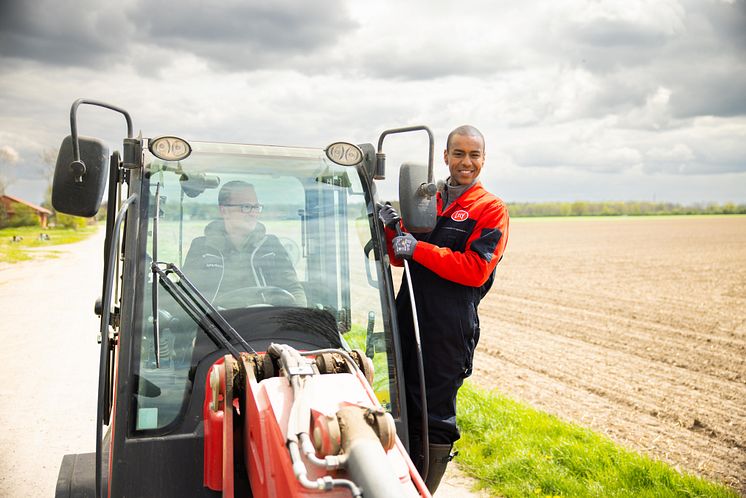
(8,157)
(47,163)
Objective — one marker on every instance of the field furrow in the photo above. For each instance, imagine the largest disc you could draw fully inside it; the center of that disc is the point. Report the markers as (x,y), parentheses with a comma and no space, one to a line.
(655,341)
(633,327)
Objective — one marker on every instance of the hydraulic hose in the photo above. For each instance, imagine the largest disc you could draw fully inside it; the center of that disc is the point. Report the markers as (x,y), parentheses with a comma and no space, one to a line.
(325,483)
(424,427)
(297,430)
(379,174)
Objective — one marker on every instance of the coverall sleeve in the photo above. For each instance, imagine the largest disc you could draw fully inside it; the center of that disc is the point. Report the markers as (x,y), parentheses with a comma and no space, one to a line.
(484,248)
(390,234)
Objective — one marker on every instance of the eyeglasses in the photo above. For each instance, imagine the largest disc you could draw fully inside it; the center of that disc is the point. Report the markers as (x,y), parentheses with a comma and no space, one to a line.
(248,208)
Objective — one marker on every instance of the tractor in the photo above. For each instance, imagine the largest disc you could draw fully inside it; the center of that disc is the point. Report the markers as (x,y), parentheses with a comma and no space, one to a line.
(217,377)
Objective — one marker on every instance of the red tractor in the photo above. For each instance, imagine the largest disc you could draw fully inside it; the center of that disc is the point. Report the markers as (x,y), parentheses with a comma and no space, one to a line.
(249,344)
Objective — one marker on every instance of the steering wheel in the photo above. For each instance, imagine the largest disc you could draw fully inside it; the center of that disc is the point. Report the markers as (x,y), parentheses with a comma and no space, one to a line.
(256,296)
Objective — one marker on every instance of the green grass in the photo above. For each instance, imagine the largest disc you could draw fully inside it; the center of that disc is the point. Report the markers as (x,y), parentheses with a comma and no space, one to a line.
(13,252)
(516,451)
(355,338)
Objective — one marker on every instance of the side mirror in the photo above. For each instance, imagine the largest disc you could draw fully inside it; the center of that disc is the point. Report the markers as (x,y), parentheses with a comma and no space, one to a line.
(79,185)
(417,199)
(194,184)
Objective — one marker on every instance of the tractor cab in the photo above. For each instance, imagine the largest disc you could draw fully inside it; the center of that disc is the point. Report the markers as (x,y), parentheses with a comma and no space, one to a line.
(287,255)
(232,273)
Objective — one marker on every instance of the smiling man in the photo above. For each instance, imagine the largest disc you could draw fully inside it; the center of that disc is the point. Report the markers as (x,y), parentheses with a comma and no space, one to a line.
(452,268)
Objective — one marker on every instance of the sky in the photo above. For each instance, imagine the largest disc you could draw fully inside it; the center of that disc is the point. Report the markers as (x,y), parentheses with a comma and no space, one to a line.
(578,99)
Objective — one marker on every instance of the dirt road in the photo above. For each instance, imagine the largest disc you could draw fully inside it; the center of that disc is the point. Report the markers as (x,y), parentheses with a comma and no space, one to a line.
(48,365)
(634,327)
(49,369)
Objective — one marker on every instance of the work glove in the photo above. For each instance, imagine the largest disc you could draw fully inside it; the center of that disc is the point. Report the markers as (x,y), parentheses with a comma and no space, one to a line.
(388,215)
(404,245)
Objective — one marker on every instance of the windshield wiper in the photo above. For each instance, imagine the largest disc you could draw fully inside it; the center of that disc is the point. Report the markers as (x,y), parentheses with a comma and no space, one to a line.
(199,308)
(154,290)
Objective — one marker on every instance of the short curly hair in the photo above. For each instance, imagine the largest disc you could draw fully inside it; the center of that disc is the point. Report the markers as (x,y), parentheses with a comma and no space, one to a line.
(467,131)
(226,191)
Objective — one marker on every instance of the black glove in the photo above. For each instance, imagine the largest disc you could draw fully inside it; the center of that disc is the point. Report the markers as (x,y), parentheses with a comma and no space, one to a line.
(388,215)
(404,245)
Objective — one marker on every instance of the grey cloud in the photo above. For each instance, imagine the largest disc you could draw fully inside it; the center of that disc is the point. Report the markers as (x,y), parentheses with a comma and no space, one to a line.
(620,92)
(712,92)
(61,32)
(239,35)
(592,157)
(234,35)
(435,60)
(713,150)
(706,70)
(691,167)
(610,33)
(727,20)
(603,42)
(695,50)
(719,153)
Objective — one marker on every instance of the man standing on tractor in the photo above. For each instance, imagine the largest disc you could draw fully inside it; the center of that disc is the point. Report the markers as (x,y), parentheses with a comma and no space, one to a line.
(452,268)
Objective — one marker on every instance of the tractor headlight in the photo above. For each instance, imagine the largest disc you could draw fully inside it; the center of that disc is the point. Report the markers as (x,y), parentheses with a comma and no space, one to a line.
(169,148)
(344,153)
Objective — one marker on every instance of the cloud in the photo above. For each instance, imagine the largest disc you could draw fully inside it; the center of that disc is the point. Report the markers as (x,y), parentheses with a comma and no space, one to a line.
(715,91)
(231,35)
(8,155)
(579,90)
(711,146)
(62,33)
(604,36)
(436,59)
(237,35)
(590,156)
(653,114)
(694,49)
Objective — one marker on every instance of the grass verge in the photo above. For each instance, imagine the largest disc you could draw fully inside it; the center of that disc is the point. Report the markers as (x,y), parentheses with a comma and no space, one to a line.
(13,252)
(516,451)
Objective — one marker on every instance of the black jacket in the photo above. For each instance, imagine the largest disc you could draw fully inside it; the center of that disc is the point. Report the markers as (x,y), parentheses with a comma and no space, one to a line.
(231,277)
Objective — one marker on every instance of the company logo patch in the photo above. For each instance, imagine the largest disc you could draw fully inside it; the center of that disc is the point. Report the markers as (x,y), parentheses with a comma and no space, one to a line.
(460,215)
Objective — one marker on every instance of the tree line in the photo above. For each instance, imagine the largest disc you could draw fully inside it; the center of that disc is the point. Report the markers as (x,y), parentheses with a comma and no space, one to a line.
(619,208)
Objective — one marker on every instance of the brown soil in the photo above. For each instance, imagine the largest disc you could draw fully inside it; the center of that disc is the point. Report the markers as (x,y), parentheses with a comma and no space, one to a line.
(634,327)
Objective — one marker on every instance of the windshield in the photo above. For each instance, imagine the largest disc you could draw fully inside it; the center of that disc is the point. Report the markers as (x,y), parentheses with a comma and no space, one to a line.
(278,240)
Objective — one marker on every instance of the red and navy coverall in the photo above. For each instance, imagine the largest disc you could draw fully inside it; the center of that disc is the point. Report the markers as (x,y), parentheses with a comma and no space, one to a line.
(452,268)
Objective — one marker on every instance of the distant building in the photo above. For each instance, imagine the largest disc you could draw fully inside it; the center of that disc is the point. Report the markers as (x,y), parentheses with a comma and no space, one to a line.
(11,204)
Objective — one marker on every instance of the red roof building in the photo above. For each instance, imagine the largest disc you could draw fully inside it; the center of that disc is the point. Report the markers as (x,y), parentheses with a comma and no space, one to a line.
(11,205)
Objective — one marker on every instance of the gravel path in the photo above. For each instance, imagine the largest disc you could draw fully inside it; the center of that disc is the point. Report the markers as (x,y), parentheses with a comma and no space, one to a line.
(49,365)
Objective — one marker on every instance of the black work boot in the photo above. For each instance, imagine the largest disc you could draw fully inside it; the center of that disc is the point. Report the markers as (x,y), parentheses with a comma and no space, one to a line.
(440,455)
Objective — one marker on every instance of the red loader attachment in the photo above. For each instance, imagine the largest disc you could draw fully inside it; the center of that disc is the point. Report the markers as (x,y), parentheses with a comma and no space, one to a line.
(306,425)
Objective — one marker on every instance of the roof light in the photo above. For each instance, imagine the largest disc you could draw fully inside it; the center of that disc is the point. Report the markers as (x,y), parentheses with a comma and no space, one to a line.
(344,153)
(170,148)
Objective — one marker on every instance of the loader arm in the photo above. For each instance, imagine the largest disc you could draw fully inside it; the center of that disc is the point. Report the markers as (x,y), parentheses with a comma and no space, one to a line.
(303,423)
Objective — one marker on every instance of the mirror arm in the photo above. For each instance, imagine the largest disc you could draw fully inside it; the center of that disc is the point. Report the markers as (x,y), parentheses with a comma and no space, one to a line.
(427,189)
(77,165)
(381,157)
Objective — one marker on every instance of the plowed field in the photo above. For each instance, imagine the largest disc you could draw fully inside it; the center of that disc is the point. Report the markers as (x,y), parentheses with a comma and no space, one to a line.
(634,327)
